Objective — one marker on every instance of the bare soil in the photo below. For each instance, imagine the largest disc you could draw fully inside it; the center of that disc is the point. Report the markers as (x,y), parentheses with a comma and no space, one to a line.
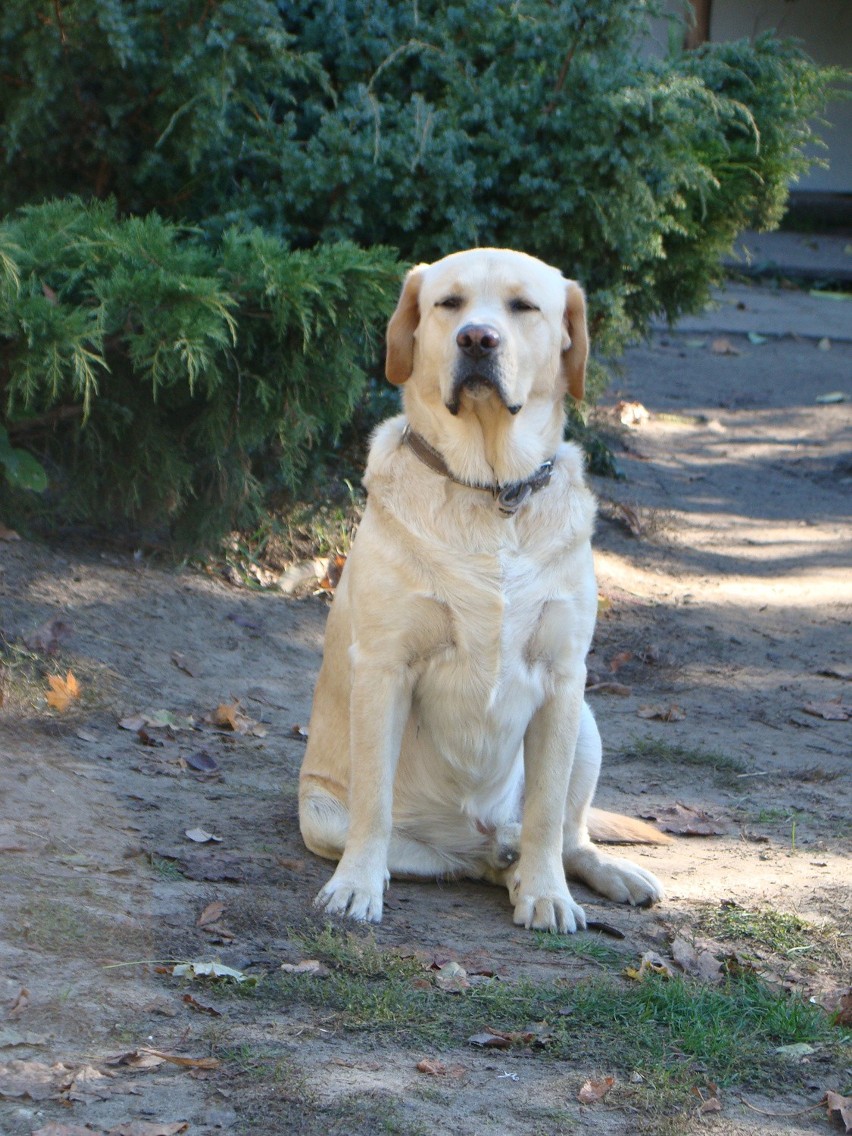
(723,564)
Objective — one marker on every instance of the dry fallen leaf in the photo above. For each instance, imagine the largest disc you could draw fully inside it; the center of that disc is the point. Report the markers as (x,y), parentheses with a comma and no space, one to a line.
(662,713)
(202,836)
(58,1129)
(631,413)
(834,1102)
(610,688)
(682,820)
(211,913)
(199,1007)
(188,666)
(33,1079)
(651,963)
(229,716)
(307,966)
(48,637)
(842,1014)
(832,711)
(702,964)
(8,534)
(593,1091)
(452,978)
(148,1128)
(19,1003)
(723,346)
(63,691)
(184,1062)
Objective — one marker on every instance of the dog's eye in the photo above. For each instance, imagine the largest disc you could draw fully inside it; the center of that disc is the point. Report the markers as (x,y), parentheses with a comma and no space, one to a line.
(451,302)
(519,305)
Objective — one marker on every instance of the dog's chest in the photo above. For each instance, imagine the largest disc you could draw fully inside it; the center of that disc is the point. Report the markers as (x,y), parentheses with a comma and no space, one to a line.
(495,667)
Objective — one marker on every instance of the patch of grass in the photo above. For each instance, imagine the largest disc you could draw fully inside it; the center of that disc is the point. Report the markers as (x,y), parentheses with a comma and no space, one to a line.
(675,1033)
(579,946)
(723,765)
(778,931)
(167,869)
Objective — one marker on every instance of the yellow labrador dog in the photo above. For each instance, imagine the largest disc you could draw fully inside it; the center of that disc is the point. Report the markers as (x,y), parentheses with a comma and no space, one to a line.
(449,734)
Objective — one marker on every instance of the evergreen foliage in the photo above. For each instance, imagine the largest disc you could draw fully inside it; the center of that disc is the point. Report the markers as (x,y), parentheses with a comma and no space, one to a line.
(419,125)
(171,378)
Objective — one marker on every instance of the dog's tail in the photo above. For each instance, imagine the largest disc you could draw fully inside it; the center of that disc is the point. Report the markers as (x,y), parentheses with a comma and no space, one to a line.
(613,828)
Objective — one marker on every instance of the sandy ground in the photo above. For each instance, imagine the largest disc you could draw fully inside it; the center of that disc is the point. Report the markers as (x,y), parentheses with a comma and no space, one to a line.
(723,562)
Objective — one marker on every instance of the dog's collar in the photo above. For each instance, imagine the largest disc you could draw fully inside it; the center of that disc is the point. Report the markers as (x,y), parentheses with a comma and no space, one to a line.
(509,497)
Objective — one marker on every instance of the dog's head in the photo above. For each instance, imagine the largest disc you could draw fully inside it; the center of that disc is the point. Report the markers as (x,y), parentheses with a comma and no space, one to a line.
(489,323)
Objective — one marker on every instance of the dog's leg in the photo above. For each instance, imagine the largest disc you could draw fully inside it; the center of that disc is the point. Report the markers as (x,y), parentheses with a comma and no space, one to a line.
(616,878)
(379,706)
(536,883)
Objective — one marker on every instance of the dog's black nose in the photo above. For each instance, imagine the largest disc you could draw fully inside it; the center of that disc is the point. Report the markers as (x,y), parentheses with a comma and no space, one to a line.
(477,339)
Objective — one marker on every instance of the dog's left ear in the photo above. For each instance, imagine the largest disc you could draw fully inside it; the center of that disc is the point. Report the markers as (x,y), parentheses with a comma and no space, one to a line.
(399,362)
(576,354)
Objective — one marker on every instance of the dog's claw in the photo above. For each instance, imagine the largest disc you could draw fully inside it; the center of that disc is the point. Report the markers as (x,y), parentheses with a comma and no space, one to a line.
(559,914)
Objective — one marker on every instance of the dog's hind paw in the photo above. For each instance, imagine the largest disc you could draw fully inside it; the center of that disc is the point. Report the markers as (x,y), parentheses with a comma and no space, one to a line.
(614,877)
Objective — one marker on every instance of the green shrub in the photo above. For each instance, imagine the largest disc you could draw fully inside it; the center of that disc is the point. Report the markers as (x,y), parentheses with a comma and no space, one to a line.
(163,378)
(418,125)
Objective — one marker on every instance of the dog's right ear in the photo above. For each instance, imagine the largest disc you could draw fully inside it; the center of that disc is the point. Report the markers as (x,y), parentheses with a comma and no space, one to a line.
(399,362)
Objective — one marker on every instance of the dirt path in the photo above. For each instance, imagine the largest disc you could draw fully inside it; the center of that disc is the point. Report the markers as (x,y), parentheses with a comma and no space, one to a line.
(726,609)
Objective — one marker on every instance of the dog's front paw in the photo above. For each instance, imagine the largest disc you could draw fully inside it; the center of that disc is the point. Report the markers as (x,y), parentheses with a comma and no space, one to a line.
(354,898)
(546,907)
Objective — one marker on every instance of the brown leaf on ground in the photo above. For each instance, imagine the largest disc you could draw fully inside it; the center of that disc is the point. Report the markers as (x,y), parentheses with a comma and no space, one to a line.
(8,534)
(307,966)
(842,1015)
(723,346)
(33,1079)
(211,913)
(650,963)
(662,713)
(620,660)
(199,1007)
(610,688)
(188,666)
(833,711)
(229,716)
(839,1109)
(631,413)
(59,1129)
(135,1059)
(184,1062)
(48,637)
(63,691)
(593,1091)
(19,1003)
(148,1128)
(433,1068)
(700,963)
(89,1084)
(629,517)
(491,1038)
(682,820)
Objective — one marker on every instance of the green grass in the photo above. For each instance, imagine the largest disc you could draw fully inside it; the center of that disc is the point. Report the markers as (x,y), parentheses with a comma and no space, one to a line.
(673,1032)
(778,931)
(723,765)
(578,946)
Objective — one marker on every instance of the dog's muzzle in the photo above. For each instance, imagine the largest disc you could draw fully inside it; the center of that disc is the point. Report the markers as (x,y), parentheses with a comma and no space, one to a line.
(478,367)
